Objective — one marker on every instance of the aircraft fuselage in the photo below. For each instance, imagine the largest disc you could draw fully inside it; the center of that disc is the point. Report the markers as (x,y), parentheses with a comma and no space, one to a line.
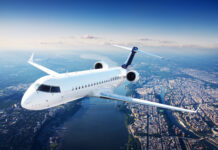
(50,91)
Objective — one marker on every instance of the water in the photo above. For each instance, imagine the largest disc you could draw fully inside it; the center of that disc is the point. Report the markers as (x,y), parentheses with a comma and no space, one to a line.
(97,125)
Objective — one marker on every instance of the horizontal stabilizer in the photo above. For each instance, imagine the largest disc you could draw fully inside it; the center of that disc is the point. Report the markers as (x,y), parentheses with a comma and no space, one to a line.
(147,53)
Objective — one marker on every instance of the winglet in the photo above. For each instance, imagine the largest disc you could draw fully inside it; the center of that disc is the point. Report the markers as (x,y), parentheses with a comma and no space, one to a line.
(31,58)
(197,109)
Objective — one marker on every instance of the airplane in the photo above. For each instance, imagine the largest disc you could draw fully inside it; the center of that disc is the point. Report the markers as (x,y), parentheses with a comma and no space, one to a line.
(56,89)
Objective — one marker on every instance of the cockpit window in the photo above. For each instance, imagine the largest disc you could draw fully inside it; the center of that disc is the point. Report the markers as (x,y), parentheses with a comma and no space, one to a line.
(44,88)
(47,88)
(55,89)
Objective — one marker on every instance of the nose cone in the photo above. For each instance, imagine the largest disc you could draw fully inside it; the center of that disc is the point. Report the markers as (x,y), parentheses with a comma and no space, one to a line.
(26,100)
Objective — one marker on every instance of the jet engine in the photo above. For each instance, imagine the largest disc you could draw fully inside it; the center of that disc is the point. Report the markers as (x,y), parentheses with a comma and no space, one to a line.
(132,76)
(100,65)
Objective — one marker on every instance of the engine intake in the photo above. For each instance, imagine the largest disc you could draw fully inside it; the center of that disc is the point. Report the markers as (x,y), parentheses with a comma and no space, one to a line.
(132,76)
(100,65)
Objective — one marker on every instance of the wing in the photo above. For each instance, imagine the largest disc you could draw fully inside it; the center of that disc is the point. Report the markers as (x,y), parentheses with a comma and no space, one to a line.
(139,101)
(44,69)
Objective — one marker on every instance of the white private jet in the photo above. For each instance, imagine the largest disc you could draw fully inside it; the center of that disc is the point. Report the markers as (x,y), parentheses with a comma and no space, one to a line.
(59,88)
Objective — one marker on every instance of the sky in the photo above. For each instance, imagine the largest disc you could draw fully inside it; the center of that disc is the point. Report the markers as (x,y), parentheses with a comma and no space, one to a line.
(90,24)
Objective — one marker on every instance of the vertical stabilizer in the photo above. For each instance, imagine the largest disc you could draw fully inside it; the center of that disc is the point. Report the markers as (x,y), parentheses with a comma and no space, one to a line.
(132,54)
(130,58)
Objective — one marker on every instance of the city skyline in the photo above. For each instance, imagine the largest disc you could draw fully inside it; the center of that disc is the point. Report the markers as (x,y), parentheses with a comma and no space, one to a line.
(66,25)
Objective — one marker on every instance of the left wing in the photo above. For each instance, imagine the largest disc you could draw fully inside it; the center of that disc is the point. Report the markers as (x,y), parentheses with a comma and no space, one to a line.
(44,69)
(140,101)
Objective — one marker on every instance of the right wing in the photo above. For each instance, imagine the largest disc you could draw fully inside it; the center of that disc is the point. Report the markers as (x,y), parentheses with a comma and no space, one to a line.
(140,101)
(44,69)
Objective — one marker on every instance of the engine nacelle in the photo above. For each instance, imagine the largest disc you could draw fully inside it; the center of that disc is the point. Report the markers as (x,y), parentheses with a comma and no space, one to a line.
(100,65)
(132,76)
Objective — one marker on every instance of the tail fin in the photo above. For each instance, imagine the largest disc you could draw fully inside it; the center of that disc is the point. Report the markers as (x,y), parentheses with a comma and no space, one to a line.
(132,54)
(130,57)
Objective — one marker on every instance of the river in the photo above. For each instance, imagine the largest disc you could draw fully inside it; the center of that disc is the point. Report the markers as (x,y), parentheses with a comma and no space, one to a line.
(98,125)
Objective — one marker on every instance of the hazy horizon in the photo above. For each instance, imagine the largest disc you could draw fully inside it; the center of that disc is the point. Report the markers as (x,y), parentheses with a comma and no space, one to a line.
(84,25)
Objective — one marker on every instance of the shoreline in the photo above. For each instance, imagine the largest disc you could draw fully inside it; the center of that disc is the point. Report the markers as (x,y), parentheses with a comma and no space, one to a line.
(54,121)
(133,142)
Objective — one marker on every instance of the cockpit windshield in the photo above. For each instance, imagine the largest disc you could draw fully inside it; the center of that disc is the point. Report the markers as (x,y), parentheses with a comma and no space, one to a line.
(48,88)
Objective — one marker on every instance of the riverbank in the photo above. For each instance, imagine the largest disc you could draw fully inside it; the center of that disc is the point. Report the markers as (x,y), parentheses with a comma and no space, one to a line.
(209,143)
(97,125)
(133,143)
(181,124)
(46,138)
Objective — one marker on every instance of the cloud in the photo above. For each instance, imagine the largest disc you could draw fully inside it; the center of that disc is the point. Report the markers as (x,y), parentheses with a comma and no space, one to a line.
(87,36)
(19,87)
(145,39)
(146,42)
(157,41)
(95,41)
(169,43)
(51,43)
(67,37)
